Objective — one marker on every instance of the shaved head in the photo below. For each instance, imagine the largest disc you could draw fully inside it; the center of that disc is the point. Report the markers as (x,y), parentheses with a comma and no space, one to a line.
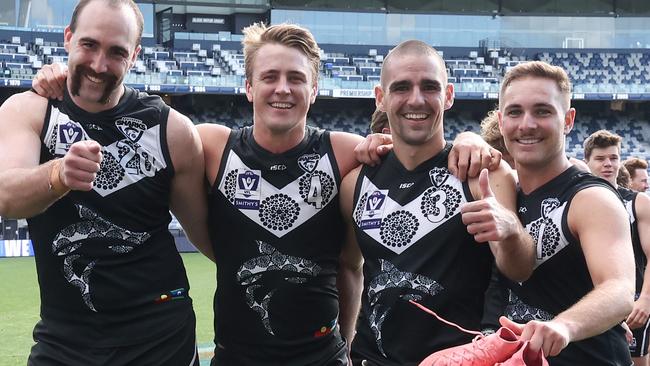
(412,47)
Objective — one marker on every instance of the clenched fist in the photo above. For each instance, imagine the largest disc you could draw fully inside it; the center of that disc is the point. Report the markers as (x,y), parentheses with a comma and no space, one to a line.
(80,165)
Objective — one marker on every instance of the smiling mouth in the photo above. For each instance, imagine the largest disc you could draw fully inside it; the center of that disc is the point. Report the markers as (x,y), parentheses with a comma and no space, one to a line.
(93,79)
(529,141)
(280,105)
(416,116)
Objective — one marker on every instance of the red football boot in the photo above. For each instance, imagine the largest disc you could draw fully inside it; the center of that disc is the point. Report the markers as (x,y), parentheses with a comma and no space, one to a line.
(526,357)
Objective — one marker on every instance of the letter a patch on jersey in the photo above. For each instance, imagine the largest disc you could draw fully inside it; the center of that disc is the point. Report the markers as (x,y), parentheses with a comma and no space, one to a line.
(373,210)
(248,192)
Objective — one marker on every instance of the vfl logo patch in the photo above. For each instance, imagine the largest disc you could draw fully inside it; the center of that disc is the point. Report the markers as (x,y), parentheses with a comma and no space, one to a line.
(248,191)
(373,210)
(67,134)
(308,162)
(131,128)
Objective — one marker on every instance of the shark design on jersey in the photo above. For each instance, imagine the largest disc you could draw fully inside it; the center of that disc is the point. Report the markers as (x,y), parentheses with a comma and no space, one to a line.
(519,311)
(294,269)
(91,227)
(137,156)
(410,286)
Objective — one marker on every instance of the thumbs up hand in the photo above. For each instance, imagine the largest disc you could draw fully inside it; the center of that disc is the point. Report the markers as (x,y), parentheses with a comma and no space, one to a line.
(486,218)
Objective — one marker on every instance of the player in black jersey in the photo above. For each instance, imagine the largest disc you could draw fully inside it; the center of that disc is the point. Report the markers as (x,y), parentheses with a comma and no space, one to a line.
(97,174)
(406,213)
(274,205)
(583,282)
(276,185)
(602,153)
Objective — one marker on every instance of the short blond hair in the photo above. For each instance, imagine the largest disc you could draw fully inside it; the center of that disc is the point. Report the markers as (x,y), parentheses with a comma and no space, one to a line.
(289,35)
(538,69)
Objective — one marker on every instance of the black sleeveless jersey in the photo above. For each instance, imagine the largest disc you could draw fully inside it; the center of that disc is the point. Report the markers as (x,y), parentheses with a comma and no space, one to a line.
(108,269)
(561,276)
(640,260)
(277,233)
(415,246)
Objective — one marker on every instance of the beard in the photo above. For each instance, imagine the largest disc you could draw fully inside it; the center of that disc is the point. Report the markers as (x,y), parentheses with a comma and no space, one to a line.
(109,80)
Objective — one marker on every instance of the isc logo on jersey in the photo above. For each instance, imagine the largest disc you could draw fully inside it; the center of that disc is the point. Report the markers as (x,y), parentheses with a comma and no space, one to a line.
(248,191)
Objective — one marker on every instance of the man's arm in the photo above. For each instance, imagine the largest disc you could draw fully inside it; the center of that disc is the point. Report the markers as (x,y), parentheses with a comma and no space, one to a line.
(188,201)
(598,220)
(350,275)
(492,218)
(641,310)
(27,188)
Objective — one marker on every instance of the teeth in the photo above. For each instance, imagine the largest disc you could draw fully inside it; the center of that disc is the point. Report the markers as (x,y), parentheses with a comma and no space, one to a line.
(281,105)
(529,141)
(94,79)
(416,116)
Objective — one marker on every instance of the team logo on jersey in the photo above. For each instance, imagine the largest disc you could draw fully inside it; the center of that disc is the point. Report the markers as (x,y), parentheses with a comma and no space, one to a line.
(247,194)
(438,176)
(67,134)
(308,162)
(131,128)
(373,210)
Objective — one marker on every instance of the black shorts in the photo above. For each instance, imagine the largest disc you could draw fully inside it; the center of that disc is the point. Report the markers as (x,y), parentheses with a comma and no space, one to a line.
(176,348)
(639,345)
(334,354)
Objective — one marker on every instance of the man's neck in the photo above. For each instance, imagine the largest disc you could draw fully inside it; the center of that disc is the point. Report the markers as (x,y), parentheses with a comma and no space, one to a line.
(411,156)
(533,177)
(278,143)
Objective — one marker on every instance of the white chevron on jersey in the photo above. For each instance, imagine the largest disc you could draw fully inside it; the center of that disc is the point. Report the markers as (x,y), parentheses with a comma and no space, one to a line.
(403,226)
(547,231)
(124,162)
(281,210)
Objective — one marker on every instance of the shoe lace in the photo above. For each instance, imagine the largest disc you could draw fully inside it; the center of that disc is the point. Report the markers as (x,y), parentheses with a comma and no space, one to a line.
(464,354)
(478,335)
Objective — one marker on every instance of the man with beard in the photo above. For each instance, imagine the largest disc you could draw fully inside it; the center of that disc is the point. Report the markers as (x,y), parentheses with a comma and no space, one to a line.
(96,175)
(582,286)
(602,153)
(419,227)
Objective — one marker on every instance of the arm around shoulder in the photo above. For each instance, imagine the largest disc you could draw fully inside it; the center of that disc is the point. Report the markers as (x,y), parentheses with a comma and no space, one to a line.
(188,201)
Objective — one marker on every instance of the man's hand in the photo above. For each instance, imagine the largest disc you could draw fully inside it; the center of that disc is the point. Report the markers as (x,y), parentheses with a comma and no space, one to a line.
(486,218)
(640,312)
(49,82)
(470,155)
(80,165)
(551,337)
(372,148)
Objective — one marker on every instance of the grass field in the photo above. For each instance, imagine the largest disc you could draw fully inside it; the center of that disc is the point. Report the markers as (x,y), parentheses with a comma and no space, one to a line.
(19,303)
